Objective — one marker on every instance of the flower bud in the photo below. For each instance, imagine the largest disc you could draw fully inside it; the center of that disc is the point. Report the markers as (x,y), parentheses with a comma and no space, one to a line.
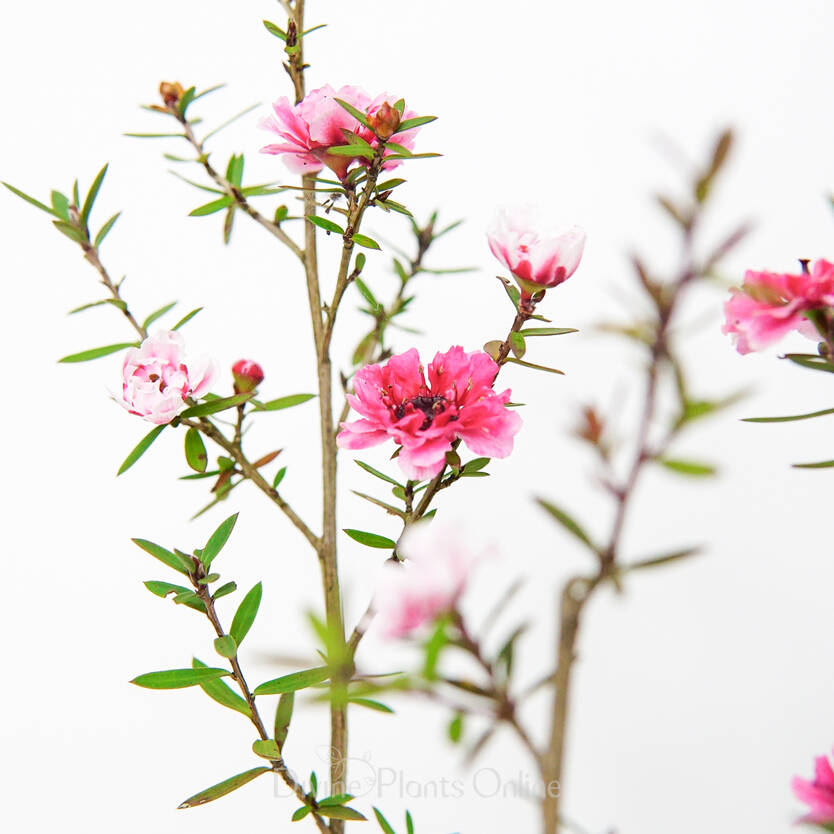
(385,121)
(171,92)
(248,375)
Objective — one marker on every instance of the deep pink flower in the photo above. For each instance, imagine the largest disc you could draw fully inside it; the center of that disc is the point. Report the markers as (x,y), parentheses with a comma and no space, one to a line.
(458,400)
(818,793)
(316,123)
(248,375)
(158,377)
(537,255)
(771,304)
(439,561)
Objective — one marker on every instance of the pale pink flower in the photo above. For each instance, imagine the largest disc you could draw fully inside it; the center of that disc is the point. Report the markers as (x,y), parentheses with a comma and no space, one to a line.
(317,123)
(158,377)
(439,561)
(539,255)
(818,793)
(424,418)
(771,304)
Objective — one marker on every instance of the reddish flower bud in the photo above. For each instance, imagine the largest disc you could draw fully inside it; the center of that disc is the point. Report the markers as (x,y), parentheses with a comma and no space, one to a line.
(384,121)
(248,375)
(171,92)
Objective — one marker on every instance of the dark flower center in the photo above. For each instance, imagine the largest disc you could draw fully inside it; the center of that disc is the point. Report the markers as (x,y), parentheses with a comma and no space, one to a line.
(430,406)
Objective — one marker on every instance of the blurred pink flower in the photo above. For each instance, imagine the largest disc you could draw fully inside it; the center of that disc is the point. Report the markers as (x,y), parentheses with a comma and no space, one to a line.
(818,793)
(158,377)
(316,123)
(538,256)
(439,561)
(771,304)
(395,401)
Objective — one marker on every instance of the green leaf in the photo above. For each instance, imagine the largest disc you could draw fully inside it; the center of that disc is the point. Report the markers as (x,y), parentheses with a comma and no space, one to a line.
(225,646)
(294,681)
(224,590)
(162,589)
(97,353)
(220,692)
(195,450)
(60,204)
(415,122)
(810,360)
(687,467)
(90,199)
(336,799)
(473,466)
(72,232)
(179,678)
(283,716)
(186,318)
(300,813)
(266,749)
(409,823)
(324,223)
(157,314)
(789,419)
(377,474)
(246,613)
(517,345)
(371,539)
(173,560)
(105,229)
(665,559)
(823,464)
(284,402)
(141,447)
(534,366)
(455,729)
(366,293)
(115,302)
(357,114)
(218,540)
(212,208)
(185,101)
(215,405)
(222,788)
(279,476)
(30,200)
(366,152)
(341,812)
(383,823)
(370,704)
(547,331)
(567,522)
(364,240)
(277,31)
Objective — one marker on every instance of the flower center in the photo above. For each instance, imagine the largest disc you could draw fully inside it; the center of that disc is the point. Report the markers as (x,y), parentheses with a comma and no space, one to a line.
(430,406)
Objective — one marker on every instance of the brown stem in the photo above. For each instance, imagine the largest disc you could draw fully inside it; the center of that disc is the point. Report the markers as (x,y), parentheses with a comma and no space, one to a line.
(91,254)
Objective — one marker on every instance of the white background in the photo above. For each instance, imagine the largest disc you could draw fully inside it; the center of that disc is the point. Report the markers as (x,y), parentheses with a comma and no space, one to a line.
(702,690)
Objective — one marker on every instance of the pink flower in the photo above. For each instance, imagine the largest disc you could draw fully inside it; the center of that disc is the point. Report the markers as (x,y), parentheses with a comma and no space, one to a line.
(771,304)
(248,375)
(158,377)
(395,401)
(427,585)
(537,255)
(317,123)
(818,793)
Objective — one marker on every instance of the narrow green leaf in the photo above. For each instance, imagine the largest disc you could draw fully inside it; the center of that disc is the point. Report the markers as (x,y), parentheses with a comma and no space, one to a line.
(370,704)
(300,813)
(157,314)
(336,799)
(810,360)
(225,646)
(211,208)
(179,678)
(115,302)
(283,716)
(221,692)
(383,823)
(185,101)
(324,223)
(213,89)
(218,540)
(224,590)
(341,812)
(173,560)
(517,345)
(547,331)
(72,232)
(357,114)
(215,405)
(294,681)
(534,366)
(163,589)
(687,467)
(415,122)
(366,293)
(195,450)
(284,402)
(277,31)
(455,729)
(60,204)
(90,199)
(789,419)
(474,465)
(246,613)
(665,559)
(222,788)
(377,474)
(185,319)
(156,135)
(364,240)
(409,823)
(371,539)
(97,353)
(30,200)
(279,476)
(141,447)
(267,749)
(105,229)
(352,150)
(567,522)
(823,464)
